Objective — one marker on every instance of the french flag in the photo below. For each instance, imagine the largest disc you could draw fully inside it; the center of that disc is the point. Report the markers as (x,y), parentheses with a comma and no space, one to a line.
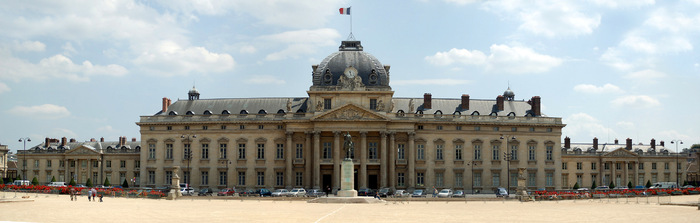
(345,11)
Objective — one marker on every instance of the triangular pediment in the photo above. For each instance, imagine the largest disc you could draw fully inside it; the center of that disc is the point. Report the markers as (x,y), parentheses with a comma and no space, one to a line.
(350,112)
(621,152)
(82,150)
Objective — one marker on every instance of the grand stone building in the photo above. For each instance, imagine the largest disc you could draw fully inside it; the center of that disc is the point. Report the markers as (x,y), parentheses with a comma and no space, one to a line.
(402,143)
(622,164)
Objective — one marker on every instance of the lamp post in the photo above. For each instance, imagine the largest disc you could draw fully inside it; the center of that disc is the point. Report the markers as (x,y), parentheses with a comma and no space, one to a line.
(677,141)
(24,156)
(472,164)
(188,156)
(508,156)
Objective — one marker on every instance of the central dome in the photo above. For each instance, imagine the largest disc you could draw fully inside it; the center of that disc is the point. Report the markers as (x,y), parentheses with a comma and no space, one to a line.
(351,64)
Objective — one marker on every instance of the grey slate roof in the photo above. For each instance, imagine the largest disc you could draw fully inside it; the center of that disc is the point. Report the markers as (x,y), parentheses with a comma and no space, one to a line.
(91,145)
(450,105)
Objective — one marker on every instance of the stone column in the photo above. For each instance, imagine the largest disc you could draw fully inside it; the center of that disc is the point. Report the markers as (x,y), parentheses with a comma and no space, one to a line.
(336,159)
(317,159)
(383,160)
(392,160)
(308,154)
(612,173)
(411,160)
(290,158)
(362,182)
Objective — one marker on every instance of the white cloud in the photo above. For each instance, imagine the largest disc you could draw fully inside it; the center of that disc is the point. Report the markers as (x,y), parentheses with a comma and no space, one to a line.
(32,46)
(662,45)
(623,3)
(635,101)
(461,2)
(442,82)
(68,49)
(45,111)
(248,49)
(646,76)
(169,58)
(547,18)
(265,79)
(582,125)
(614,57)
(300,42)
(592,89)
(4,88)
(502,58)
(57,66)
(664,20)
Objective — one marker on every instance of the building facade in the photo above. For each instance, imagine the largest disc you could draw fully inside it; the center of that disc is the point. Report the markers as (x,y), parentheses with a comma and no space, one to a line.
(621,164)
(401,143)
(4,160)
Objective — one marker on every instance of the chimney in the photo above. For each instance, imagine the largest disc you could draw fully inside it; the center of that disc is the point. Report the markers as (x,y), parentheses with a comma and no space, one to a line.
(465,102)
(662,144)
(102,139)
(629,144)
(166,103)
(63,141)
(499,102)
(47,142)
(653,143)
(535,106)
(427,101)
(73,140)
(567,142)
(595,143)
(616,141)
(133,139)
(93,140)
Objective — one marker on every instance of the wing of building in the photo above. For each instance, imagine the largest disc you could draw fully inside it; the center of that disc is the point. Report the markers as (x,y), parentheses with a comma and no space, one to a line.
(401,143)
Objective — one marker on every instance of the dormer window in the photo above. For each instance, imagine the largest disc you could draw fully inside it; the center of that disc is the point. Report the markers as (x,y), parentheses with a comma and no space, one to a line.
(326,103)
(373,104)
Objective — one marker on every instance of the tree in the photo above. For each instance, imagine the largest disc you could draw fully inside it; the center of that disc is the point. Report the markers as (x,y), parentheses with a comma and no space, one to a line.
(88,183)
(125,184)
(612,185)
(72,182)
(629,185)
(53,179)
(106,184)
(594,185)
(576,186)
(35,181)
(648,185)
(2,181)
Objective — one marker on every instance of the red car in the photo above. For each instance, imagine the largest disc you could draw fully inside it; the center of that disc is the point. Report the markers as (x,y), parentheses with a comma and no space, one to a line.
(227,192)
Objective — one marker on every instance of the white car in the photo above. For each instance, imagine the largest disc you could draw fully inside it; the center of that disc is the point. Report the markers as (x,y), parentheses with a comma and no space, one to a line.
(402,193)
(280,193)
(187,191)
(445,193)
(297,192)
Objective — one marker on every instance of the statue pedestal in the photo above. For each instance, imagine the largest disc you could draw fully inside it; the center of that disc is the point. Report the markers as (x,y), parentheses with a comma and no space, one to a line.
(175,188)
(521,192)
(347,179)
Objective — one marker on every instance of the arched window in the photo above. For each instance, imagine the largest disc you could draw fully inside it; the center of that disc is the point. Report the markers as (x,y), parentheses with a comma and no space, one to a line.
(207,112)
(280,112)
(475,113)
(400,113)
(511,114)
(419,113)
(243,112)
(189,113)
(172,113)
(493,114)
(457,113)
(262,112)
(225,112)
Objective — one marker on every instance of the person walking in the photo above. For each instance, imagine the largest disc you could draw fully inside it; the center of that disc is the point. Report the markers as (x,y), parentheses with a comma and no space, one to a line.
(94,193)
(72,194)
(89,194)
(434,192)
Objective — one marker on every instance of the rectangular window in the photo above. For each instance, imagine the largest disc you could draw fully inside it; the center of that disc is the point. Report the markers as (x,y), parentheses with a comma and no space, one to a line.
(299,179)
(579,179)
(606,166)
(327,150)
(279,179)
(223,151)
(137,164)
(169,128)
(122,164)
(458,180)
(514,152)
(205,151)
(372,147)
(151,151)
(513,179)
(151,177)
(531,179)
(641,166)
(108,164)
(223,178)
(549,179)
(223,127)
(439,127)
(95,177)
(373,103)
(168,177)
(420,177)
(496,179)
(438,152)
(458,128)
(458,152)
(666,166)
(564,166)
(280,151)
(279,127)
(477,128)
(205,178)
(241,178)
(439,179)
(261,178)
(549,129)
(420,152)
(420,127)
(495,152)
(495,129)
(205,127)
(241,127)
(513,129)
(72,163)
(531,152)
(550,152)
(477,152)
(187,177)
(261,126)
(532,129)
(653,166)
(61,163)
(401,179)
(594,166)
(241,151)
(401,151)
(300,151)
(640,179)
(168,151)
(187,127)
(48,163)
(188,152)
(477,180)
(327,103)
(618,166)
(261,151)
(654,178)
(579,166)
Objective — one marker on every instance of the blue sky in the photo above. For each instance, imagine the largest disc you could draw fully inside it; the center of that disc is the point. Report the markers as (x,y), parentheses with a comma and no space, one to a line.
(88,69)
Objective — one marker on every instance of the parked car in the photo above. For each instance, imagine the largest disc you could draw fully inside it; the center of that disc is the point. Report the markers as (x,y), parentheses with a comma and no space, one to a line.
(688,186)
(297,192)
(401,193)
(206,192)
(226,192)
(187,191)
(365,192)
(385,192)
(602,188)
(501,192)
(418,193)
(249,193)
(458,193)
(57,184)
(280,193)
(264,192)
(315,193)
(445,193)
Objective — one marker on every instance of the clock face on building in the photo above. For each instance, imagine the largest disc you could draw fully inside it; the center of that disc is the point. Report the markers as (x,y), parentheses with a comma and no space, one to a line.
(350,72)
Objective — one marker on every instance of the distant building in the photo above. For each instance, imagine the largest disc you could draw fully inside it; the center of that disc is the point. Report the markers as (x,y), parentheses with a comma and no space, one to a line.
(584,163)
(3,160)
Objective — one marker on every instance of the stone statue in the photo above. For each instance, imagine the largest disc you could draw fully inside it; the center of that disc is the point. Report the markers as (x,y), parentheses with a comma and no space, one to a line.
(410,106)
(289,105)
(349,147)
(319,106)
(380,105)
